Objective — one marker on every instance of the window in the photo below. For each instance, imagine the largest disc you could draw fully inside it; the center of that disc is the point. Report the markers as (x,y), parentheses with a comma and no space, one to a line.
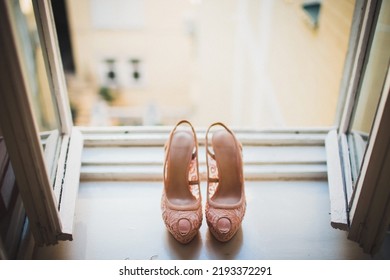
(370,87)
(369,208)
(44,148)
(117,14)
(136,76)
(312,10)
(359,194)
(109,74)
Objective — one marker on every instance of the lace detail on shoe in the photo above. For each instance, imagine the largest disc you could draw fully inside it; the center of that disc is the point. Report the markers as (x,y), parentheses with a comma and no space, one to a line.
(193,178)
(173,217)
(235,216)
(213,176)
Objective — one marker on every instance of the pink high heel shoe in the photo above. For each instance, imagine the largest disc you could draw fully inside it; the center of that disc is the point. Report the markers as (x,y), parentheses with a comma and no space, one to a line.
(181,199)
(226,203)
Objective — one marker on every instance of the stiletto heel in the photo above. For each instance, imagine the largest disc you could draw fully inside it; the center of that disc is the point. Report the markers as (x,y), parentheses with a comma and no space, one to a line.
(226,203)
(181,199)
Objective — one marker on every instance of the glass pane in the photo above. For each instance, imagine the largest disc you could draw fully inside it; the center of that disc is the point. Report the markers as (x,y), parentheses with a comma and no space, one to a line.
(370,88)
(255,64)
(42,100)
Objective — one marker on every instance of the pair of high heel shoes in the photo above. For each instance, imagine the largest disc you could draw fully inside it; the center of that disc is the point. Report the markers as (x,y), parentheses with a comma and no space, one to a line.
(181,200)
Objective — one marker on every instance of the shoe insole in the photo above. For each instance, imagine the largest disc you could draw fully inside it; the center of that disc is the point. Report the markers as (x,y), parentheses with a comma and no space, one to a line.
(229,164)
(180,154)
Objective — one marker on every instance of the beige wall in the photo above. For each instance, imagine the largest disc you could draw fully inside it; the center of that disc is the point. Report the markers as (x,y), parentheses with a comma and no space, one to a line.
(213,80)
(268,67)
(305,64)
(248,63)
(162,44)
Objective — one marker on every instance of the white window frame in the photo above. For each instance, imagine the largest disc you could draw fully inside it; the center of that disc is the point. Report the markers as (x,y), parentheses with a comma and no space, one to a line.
(339,169)
(362,208)
(52,220)
(50,209)
(370,206)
